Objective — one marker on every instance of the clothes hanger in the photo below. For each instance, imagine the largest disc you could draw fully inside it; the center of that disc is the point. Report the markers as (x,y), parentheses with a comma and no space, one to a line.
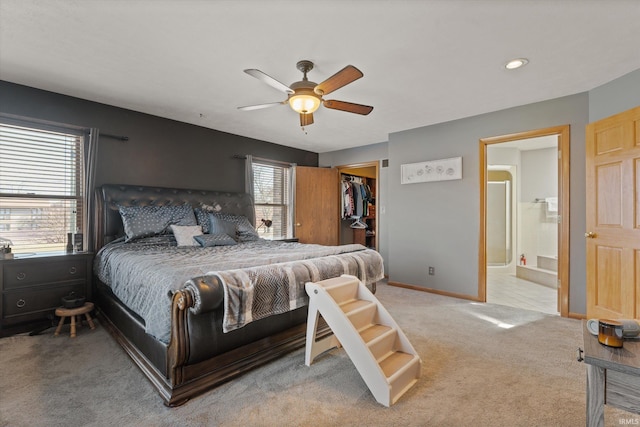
(358,224)
(351,178)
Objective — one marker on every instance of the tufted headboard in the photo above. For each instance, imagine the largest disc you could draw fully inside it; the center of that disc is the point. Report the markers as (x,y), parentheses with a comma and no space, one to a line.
(108,223)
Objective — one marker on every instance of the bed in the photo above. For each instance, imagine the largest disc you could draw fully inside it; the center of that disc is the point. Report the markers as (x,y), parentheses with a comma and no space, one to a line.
(190,306)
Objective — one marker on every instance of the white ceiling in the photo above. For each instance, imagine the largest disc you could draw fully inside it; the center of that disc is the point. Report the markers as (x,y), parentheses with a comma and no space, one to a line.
(424,62)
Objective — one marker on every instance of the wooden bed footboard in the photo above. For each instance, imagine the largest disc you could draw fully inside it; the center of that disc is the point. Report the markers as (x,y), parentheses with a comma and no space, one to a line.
(178,351)
(184,380)
(187,380)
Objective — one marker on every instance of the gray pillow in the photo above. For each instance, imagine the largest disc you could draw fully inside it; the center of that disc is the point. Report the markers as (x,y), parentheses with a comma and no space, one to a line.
(202,218)
(218,225)
(202,215)
(245,231)
(144,221)
(206,240)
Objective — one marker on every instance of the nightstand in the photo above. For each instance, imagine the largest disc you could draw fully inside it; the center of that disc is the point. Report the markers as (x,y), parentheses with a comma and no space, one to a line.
(31,287)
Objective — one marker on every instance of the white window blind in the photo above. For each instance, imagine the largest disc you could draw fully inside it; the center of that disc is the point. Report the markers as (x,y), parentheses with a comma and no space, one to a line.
(41,194)
(272,194)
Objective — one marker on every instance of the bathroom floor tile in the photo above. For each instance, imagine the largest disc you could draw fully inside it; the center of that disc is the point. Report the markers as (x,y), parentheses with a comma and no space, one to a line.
(507,289)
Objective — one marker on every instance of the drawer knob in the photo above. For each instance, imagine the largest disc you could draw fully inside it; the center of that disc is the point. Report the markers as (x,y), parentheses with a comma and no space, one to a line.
(21,303)
(73,270)
(21,276)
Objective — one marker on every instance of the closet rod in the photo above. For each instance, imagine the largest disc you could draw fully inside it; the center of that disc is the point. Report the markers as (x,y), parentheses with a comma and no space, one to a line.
(352,177)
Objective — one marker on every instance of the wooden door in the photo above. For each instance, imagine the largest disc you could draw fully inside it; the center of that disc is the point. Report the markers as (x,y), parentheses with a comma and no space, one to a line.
(317,205)
(613,216)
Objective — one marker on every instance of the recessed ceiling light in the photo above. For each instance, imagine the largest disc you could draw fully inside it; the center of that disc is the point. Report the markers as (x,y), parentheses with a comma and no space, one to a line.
(516,63)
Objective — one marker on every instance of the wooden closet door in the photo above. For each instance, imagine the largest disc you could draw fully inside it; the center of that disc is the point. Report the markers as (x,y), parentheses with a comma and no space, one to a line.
(317,207)
(613,216)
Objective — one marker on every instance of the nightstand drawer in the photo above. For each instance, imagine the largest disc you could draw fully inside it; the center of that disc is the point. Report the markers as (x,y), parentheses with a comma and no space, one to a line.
(20,274)
(20,302)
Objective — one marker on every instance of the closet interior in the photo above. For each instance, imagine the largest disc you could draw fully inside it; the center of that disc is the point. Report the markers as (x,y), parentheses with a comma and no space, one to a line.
(358,206)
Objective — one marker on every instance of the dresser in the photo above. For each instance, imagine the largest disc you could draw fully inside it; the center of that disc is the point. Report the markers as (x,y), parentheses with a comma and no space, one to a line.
(31,288)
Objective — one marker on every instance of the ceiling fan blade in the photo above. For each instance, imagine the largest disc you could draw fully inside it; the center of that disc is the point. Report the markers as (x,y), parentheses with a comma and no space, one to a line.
(268,80)
(260,106)
(342,78)
(306,119)
(348,106)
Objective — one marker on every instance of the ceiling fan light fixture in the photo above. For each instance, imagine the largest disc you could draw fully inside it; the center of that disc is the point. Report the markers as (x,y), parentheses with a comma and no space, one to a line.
(304,96)
(304,103)
(516,63)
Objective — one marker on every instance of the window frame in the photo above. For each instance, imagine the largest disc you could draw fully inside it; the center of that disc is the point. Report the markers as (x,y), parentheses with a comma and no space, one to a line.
(55,239)
(285,221)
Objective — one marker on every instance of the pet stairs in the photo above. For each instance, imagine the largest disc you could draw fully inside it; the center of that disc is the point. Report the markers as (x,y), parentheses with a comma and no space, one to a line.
(380,351)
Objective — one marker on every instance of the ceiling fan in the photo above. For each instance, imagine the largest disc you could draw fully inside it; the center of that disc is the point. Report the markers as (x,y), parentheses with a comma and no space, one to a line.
(305,96)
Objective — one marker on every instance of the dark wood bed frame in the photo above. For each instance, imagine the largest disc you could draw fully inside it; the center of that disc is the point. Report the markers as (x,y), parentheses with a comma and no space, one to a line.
(192,362)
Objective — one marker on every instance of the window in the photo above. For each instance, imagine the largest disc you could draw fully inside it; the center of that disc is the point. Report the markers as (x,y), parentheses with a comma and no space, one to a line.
(5,214)
(41,185)
(272,192)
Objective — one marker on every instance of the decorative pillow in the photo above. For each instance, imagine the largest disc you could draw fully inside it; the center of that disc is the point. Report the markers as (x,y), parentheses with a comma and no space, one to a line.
(202,215)
(144,221)
(185,234)
(207,240)
(245,231)
(202,219)
(218,225)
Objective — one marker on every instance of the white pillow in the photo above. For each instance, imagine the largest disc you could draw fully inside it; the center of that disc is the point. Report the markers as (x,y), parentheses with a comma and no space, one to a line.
(185,234)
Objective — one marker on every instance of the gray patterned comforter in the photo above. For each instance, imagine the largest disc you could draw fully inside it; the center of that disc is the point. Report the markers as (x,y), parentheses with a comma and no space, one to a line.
(260,278)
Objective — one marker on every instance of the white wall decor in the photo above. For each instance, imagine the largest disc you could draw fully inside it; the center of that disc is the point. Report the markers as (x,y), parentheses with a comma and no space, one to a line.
(432,170)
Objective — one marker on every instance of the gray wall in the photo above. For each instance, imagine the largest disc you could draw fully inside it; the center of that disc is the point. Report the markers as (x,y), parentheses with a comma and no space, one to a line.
(160,152)
(617,96)
(437,224)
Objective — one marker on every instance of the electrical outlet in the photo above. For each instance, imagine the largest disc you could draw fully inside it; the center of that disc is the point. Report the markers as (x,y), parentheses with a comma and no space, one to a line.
(432,271)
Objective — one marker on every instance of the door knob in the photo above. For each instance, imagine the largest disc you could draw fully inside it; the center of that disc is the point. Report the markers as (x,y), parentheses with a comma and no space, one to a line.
(590,235)
(298,224)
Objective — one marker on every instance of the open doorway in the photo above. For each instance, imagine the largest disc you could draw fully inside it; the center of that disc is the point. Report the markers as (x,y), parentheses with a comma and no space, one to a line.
(524,220)
(362,229)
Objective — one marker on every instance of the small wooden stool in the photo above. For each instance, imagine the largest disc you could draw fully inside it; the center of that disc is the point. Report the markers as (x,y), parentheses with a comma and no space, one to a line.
(73,312)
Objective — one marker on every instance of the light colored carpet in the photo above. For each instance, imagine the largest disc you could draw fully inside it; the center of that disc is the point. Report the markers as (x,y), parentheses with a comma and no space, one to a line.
(483,365)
